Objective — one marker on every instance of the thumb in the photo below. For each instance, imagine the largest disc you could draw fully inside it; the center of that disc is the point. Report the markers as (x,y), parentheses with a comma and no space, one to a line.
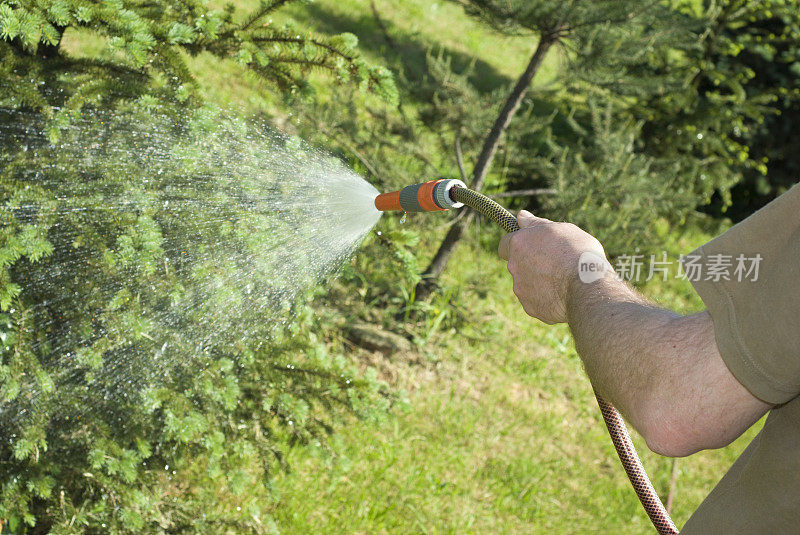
(526,219)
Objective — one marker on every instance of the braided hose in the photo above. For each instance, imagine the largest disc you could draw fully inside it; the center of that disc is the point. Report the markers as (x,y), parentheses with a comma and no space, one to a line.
(616,427)
(486,206)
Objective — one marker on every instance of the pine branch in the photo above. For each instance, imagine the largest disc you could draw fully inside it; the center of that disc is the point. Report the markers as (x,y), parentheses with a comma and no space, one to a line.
(322,63)
(265,10)
(619,20)
(300,41)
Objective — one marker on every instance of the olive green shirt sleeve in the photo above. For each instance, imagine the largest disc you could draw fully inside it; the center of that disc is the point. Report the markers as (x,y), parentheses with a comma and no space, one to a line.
(755,302)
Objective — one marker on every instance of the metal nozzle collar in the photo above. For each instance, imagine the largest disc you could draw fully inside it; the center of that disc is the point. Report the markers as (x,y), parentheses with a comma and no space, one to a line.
(441,193)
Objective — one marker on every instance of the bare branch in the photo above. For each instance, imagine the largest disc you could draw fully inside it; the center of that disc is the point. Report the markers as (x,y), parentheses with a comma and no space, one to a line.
(460,157)
(524,193)
(492,141)
(673,485)
(485,158)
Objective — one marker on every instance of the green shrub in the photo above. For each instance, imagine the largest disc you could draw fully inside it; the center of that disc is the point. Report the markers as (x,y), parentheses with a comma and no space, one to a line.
(153,369)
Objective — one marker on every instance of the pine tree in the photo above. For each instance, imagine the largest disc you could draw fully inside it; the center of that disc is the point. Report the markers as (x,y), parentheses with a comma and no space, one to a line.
(613,191)
(604,43)
(91,440)
(737,110)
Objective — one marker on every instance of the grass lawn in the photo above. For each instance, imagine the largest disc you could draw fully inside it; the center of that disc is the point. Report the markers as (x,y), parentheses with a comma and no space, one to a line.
(503,435)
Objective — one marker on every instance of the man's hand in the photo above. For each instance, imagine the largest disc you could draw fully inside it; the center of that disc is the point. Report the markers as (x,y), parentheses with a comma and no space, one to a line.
(661,370)
(543,260)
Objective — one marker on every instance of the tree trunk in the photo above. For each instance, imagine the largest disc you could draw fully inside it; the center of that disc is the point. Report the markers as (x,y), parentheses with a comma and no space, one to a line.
(488,152)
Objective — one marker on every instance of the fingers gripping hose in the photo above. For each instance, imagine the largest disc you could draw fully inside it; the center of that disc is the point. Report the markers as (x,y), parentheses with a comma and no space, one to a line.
(460,195)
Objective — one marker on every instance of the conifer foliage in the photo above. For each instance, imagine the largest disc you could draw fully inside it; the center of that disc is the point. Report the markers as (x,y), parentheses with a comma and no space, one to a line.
(136,395)
(737,110)
(145,46)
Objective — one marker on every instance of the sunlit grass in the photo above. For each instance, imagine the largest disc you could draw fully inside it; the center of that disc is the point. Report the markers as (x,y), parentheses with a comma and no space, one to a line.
(503,436)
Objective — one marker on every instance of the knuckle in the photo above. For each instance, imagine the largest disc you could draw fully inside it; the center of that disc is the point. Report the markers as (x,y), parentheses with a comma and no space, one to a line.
(529,310)
(517,290)
(503,245)
(516,239)
(512,267)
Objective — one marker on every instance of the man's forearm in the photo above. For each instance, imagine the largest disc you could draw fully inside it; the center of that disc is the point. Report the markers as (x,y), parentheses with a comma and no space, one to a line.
(650,363)
(613,328)
(662,371)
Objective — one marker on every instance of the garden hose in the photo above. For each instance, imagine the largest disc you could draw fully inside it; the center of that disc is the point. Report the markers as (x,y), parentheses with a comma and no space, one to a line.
(444,194)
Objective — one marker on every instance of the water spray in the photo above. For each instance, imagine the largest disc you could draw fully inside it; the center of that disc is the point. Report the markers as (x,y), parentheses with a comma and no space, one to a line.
(444,194)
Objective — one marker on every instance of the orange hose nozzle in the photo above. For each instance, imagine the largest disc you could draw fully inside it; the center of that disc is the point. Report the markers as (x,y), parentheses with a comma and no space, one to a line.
(388,202)
(431,196)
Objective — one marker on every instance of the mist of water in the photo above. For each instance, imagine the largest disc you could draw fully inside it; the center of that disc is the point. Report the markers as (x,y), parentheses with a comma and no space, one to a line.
(154,242)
